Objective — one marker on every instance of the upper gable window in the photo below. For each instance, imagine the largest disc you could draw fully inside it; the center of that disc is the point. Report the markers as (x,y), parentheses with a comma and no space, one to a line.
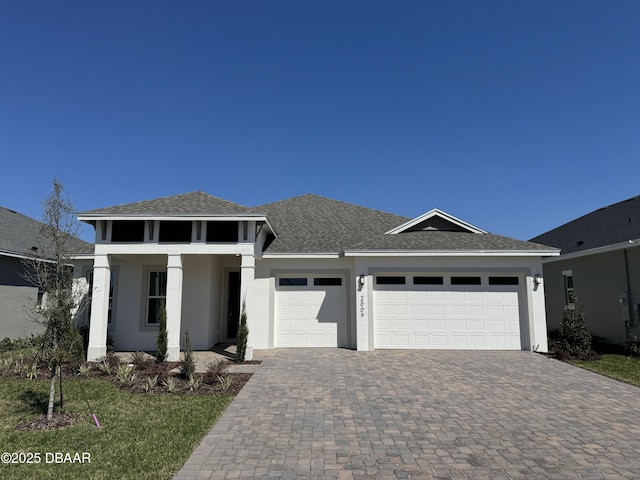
(438,224)
(222,231)
(174,231)
(127,231)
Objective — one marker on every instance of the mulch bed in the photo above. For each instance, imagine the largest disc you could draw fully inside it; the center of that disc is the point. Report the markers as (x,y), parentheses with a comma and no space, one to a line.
(214,382)
(58,421)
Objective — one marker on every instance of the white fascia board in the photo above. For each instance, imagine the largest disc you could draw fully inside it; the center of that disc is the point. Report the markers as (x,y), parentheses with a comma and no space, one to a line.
(93,217)
(301,255)
(594,251)
(24,256)
(82,256)
(450,253)
(433,213)
(174,248)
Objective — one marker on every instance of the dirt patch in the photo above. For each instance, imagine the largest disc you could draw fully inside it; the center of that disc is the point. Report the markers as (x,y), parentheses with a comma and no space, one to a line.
(58,421)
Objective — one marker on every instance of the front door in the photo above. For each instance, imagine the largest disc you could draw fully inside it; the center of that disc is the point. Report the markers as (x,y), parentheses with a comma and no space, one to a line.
(233,304)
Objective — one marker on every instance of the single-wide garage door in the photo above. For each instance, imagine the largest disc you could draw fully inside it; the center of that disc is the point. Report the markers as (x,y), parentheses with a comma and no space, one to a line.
(447,312)
(311,311)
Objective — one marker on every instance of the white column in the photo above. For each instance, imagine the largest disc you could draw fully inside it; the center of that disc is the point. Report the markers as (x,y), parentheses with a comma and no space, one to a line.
(99,308)
(174,305)
(537,314)
(247,277)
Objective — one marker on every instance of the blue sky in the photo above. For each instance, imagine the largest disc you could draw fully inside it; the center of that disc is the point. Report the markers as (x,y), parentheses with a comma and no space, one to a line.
(513,116)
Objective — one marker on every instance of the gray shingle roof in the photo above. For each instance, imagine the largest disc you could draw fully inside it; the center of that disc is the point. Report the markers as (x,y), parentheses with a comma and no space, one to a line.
(613,224)
(192,203)
(314,224)
(19,234)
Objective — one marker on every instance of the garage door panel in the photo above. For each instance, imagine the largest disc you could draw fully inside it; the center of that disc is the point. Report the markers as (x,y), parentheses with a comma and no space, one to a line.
(310,315)
(477,341)
(458,317)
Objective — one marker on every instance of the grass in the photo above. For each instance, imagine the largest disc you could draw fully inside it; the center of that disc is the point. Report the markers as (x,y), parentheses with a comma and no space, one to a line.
(621,367)
(143,436)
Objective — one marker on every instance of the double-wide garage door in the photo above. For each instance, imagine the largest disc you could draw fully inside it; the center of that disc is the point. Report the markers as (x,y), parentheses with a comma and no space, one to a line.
(447,312)
(310,311)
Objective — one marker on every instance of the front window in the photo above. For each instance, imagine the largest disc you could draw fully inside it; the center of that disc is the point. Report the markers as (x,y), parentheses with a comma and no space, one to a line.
(157,296)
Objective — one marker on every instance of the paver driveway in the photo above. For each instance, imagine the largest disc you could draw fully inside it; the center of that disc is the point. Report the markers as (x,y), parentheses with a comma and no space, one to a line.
(331,413)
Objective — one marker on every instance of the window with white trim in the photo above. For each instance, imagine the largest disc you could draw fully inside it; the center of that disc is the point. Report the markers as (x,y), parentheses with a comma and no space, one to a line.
(156,295)
(569,295)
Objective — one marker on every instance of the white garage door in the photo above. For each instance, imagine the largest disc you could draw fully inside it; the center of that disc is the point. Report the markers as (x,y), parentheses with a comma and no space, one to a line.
(447,312)
(311,311)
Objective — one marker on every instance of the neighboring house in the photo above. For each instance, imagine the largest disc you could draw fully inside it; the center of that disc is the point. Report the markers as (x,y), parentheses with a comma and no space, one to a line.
(599,265)
(20,239)
(314,272)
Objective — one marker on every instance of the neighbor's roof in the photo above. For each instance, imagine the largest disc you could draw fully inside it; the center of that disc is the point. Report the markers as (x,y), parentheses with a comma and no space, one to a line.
(609,225)
(20,236)
(192,203)
(314,224)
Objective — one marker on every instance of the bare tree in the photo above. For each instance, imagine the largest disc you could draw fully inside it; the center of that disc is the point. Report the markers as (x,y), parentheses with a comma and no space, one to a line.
(51,270)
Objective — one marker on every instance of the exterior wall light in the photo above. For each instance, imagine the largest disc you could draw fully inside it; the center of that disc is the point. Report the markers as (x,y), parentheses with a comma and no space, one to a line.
(361,280)
(537,279)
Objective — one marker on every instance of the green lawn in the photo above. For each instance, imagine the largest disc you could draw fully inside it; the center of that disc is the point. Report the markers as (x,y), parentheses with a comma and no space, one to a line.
(143,436)
(621,367)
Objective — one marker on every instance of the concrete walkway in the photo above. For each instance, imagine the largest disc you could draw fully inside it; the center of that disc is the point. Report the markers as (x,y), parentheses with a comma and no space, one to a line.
(331,413)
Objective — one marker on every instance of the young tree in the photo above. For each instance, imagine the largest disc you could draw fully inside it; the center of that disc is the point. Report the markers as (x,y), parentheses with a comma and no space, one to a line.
(51,271)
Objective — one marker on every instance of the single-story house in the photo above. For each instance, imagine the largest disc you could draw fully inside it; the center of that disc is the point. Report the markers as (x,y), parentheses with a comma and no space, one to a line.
(312,272)
(599,264)
(20,239)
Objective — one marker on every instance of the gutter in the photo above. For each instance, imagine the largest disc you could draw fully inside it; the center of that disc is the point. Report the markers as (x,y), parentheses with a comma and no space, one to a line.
(451,253)
(593,251)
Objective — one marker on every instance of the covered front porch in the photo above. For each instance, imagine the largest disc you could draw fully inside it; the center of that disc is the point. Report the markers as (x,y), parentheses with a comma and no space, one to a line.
(202,293)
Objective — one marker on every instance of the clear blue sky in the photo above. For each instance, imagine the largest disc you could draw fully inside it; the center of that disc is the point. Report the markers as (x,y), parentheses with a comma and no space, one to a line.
(515,116)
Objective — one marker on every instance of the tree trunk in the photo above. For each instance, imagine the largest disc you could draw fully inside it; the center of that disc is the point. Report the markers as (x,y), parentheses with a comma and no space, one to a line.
(52,392)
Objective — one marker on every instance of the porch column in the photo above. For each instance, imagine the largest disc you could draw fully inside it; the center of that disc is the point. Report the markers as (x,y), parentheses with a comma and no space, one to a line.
(247,277)
(99,308)
(174,305)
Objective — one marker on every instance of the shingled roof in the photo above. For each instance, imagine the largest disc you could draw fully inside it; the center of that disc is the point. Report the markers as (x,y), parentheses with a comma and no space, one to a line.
(616,223)
(314,224)
(192,203)
(20,236)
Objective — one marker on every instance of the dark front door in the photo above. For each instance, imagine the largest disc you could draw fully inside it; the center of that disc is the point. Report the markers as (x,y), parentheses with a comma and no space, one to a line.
(233,304)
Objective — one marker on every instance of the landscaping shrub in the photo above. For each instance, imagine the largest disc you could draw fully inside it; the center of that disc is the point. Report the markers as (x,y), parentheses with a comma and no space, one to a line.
(575,339)
(243,335)
(188,366)
(633,346)
(161,339)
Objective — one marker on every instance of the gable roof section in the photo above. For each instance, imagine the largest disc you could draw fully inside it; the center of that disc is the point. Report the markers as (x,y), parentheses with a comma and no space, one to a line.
(435,220)
(186,204)
(616,223)
(313,224)
(19,235)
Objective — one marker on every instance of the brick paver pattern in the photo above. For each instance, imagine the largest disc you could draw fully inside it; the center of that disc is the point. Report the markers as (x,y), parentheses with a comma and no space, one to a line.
(333,413)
